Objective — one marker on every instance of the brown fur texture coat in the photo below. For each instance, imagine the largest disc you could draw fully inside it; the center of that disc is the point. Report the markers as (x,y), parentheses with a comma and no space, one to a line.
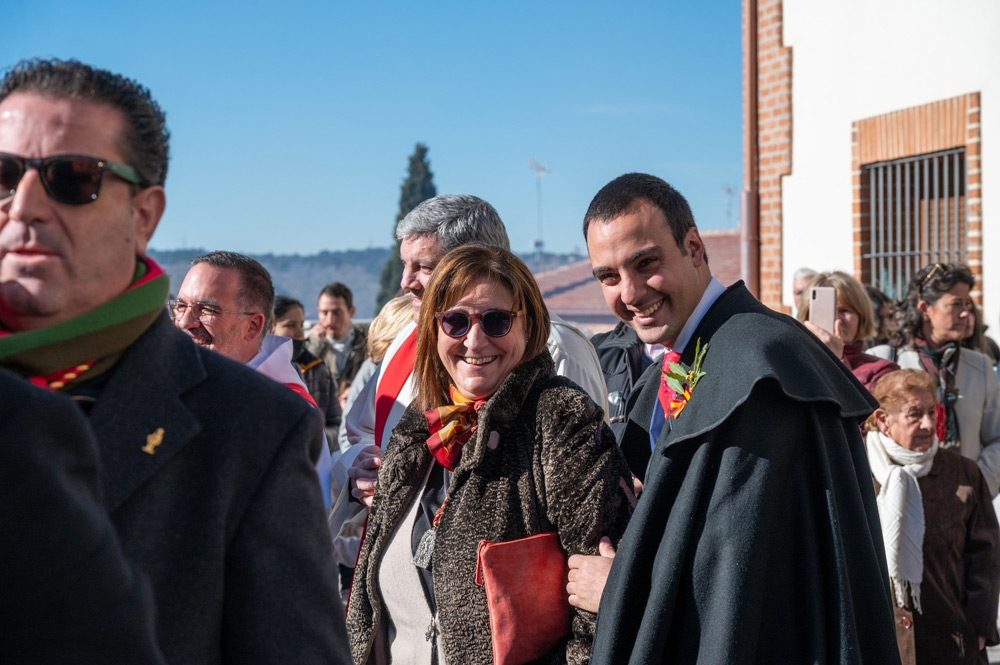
(554,467)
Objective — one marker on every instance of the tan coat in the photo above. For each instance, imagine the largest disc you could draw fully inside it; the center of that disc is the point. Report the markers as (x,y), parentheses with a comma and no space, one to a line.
(961,582)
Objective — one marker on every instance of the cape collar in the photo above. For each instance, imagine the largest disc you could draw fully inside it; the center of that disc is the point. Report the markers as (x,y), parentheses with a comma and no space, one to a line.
(761,344)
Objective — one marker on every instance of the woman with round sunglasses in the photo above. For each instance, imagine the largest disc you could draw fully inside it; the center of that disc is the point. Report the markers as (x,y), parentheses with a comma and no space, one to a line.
(494,448)
(937,307)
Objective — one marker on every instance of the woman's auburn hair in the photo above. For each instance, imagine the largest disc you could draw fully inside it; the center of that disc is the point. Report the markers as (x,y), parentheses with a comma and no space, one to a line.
(893,389)
(455,275)
(850,292)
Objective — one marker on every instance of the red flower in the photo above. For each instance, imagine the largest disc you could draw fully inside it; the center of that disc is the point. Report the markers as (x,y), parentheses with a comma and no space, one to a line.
(677,382)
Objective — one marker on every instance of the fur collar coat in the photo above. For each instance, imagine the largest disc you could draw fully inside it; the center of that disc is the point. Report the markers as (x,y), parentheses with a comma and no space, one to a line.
(542,459)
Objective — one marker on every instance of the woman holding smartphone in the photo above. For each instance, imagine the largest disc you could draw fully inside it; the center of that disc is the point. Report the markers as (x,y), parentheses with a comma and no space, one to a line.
(853,321)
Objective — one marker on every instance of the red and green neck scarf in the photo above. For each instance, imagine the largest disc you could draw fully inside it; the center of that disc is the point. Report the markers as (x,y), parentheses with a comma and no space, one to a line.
(451,427)
(58,356)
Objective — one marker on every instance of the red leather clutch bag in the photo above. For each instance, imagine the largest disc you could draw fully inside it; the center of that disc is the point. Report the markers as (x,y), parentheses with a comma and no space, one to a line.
(525,583)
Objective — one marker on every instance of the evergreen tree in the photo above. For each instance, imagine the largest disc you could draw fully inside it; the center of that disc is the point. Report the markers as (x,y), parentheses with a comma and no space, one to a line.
(418,187)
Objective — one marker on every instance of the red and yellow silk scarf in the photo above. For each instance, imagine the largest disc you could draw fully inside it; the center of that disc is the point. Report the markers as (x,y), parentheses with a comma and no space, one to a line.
(452,425)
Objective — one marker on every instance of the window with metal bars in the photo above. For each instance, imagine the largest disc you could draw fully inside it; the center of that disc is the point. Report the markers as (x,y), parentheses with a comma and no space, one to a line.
(913,214)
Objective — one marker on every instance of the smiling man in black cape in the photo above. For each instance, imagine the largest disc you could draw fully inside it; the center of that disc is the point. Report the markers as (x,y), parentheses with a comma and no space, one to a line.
(756,539)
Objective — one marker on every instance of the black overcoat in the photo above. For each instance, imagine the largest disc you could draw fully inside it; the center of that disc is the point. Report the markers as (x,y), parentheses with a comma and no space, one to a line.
(225,513)
(67,593)
(757,537)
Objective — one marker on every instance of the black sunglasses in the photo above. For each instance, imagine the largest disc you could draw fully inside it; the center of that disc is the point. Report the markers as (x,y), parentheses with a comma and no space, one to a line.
(494,322)
(70,179)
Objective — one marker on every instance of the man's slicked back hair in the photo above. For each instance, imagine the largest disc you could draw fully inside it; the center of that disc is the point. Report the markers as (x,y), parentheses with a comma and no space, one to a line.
(625,192)
(146,143)
(338,290)
(256,288)
(456,220)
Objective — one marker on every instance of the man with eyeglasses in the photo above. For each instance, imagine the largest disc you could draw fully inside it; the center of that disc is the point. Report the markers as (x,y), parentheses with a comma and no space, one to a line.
(225,303)
(206,466)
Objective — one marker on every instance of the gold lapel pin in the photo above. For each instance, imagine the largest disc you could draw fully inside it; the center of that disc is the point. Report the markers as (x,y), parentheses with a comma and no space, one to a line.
(153,440)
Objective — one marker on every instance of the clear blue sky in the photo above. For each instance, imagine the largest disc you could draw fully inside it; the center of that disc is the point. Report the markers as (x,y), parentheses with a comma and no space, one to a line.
(292,122)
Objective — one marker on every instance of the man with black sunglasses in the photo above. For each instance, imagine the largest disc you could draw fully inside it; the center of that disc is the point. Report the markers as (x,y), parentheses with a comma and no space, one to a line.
(756,538)
(206,466)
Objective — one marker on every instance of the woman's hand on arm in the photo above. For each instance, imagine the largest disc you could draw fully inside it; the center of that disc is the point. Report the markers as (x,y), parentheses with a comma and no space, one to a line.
(588,575)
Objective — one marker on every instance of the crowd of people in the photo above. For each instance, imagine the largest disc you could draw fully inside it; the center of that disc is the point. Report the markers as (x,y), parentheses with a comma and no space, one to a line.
(468,479)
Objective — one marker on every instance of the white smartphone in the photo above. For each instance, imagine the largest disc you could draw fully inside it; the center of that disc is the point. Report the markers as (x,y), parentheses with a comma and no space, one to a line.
(823,307)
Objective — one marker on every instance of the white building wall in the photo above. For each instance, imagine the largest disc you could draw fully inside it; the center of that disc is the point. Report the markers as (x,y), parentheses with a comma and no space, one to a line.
(855,59)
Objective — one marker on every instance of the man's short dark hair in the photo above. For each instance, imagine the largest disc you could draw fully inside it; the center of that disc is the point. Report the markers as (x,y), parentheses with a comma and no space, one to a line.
(338,290)
(256,289)
(146,140)
(625,192)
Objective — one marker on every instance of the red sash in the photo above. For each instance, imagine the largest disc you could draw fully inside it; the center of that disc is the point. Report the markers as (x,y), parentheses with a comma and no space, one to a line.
(303,393)
(398,370)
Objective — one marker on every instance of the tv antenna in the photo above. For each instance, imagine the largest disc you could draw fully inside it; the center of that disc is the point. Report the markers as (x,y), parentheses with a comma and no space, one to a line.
(539,170)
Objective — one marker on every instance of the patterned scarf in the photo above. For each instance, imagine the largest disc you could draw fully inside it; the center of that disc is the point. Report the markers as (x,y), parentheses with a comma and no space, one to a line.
(941,363)
(451,427)
(57,356)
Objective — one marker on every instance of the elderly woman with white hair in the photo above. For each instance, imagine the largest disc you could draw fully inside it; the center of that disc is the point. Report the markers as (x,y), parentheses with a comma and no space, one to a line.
(940,530)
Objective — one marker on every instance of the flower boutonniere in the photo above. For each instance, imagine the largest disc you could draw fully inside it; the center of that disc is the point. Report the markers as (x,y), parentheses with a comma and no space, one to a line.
(678,383)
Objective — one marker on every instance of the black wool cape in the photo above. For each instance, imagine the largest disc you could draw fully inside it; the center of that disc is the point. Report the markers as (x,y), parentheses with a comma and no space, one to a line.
(757,537)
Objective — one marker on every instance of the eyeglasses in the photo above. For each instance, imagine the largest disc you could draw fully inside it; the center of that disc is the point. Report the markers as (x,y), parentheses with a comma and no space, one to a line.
(203,312)
(494,322)
(70,179)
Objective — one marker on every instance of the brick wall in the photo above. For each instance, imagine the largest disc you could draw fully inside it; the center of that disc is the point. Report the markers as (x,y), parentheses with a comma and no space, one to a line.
(774,137)
(940,125)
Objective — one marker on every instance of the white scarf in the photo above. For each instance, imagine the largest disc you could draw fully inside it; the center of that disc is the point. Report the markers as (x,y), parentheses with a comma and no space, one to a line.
(901,510)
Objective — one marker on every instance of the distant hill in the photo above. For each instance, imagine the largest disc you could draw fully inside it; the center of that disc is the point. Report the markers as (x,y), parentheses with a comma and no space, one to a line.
(304,276)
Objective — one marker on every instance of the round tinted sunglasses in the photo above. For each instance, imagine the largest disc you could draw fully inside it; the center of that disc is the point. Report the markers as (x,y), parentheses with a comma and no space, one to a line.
(70,179)
(494,322)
